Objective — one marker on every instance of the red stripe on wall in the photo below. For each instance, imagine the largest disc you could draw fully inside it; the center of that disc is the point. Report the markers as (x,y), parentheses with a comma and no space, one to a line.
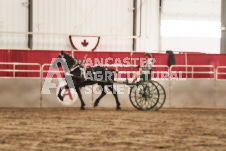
(46,56)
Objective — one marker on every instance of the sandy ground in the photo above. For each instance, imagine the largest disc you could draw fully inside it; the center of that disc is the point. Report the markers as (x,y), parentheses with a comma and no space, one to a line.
(108,129)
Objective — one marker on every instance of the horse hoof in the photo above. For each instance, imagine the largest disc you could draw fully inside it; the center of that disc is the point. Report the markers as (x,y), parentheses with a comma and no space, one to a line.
(95,104)
(118,108)
(82,108)
(60,97)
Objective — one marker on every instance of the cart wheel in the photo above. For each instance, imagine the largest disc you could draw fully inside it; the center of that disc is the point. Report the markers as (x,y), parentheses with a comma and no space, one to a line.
(162,96)
(132,97)
(146,95)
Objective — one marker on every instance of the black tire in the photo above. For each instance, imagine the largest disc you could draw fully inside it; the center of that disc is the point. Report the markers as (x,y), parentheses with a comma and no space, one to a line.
(132,97)
(146,95)
(162,96)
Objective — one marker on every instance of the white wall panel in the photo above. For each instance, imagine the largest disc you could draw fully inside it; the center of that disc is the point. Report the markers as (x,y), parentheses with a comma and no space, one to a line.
(190,44)
(110,17)
(13,17)
(83,17)
(150,21)
(80,17)
(191,25)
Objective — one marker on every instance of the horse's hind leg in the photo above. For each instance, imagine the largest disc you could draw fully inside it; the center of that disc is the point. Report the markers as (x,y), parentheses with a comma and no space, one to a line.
(114,92)
(80,97)
(102,95)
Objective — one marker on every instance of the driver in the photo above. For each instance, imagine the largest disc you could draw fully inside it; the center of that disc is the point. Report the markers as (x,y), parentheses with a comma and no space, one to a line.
(145,70)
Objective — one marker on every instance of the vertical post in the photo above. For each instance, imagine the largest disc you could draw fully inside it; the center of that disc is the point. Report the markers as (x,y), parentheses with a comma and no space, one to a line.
(192,72)
(41,78)
(170,71)
(223,24)
(186,64)
(160,19)
(30,23)
(134,23)
(215,88)
(216,72)
(141,16)
(14,68)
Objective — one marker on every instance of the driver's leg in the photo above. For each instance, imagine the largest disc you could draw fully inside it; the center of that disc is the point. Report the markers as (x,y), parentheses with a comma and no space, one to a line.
(136,75)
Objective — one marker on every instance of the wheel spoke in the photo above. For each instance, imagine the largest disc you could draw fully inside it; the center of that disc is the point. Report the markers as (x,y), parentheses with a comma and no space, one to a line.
(148,95)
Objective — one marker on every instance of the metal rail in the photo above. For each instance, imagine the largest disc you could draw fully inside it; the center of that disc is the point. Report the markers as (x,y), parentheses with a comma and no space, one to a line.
(220,73)
(129,72)
(45,71)
(169,71)
(162,66)
(14,70)
(116,66)
(192,70)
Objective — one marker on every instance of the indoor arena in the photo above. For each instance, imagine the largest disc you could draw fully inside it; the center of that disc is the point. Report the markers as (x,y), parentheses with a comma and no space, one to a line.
(113,75)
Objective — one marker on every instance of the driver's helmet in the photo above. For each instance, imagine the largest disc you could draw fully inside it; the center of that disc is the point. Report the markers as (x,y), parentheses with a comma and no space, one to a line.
(148,55)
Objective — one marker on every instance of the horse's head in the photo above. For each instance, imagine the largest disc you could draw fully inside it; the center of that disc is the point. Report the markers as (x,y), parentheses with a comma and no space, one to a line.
(62,60)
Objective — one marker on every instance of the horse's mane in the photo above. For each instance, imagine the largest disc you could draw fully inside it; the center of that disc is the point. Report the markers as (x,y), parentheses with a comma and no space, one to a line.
(70,59)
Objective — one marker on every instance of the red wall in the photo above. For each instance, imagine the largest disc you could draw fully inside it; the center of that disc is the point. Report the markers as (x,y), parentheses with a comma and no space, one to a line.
(44,56)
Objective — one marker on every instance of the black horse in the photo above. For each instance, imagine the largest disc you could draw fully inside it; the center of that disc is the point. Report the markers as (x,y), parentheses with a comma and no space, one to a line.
(73,69)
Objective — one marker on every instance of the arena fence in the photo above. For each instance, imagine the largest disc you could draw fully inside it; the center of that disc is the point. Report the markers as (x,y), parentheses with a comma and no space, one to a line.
(193,71)
(184,85)
(220,72)
(16,67)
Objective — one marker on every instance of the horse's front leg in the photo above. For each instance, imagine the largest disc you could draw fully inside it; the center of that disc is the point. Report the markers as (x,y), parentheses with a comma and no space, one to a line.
(60,90)
(114,92)
(80,97)
(102,95)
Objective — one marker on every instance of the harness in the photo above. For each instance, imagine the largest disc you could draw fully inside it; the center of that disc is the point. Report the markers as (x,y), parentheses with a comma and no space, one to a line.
(82,69)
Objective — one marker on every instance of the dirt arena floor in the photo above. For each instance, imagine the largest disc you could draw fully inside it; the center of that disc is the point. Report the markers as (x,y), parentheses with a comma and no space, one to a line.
(108,129)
